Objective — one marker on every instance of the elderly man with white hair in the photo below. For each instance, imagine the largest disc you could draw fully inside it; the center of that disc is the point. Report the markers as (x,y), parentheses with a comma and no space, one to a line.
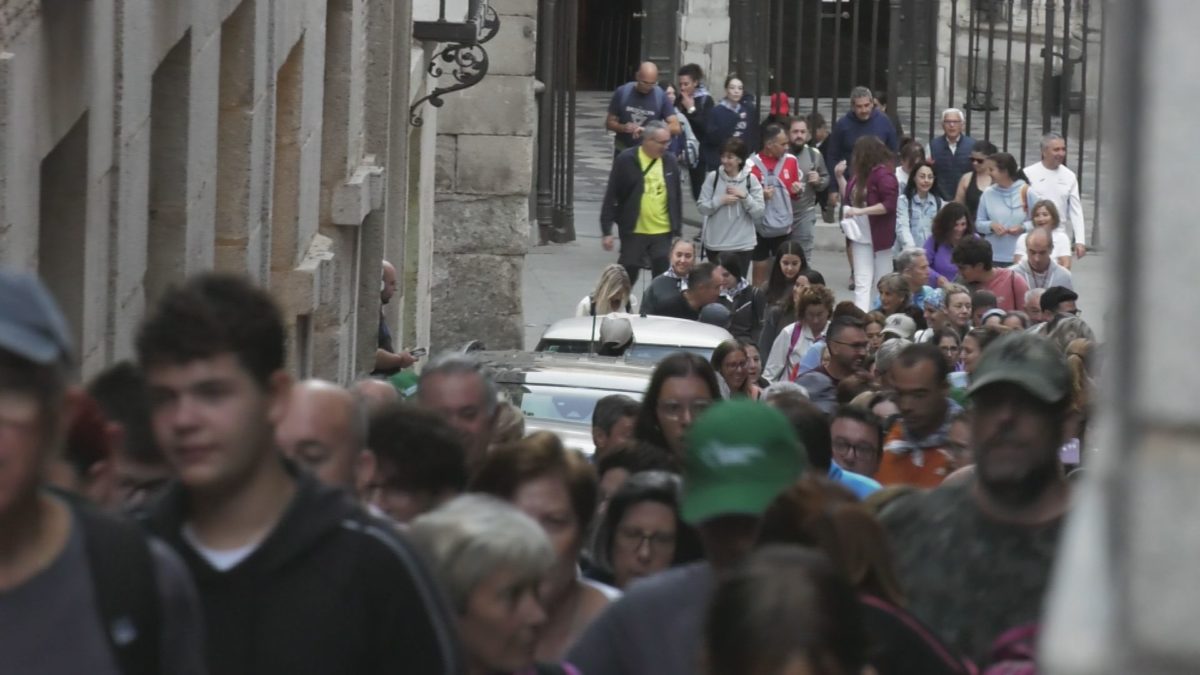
(1050,179)
(951,154)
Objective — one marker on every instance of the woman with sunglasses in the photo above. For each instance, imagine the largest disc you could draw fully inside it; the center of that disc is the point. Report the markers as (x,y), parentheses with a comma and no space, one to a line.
(974,182)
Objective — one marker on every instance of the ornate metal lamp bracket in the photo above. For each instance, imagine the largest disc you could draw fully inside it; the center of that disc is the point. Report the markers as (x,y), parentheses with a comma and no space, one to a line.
(466,63)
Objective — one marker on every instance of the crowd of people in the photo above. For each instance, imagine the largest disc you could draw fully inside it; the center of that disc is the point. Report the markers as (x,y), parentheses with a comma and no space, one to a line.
(197,511)
(960,209)
(876,485)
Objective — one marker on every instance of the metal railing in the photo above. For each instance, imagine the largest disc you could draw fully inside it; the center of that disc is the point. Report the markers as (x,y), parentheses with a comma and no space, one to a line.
(556,70)
(1018,68)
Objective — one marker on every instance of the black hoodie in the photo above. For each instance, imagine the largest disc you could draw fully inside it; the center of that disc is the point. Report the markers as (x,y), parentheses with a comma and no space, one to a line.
(330,590)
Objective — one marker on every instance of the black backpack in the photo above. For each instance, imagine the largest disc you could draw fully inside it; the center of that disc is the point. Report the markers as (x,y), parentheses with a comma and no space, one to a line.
(124,578)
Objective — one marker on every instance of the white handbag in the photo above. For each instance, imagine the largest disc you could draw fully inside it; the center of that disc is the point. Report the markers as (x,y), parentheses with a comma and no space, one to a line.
(856,228)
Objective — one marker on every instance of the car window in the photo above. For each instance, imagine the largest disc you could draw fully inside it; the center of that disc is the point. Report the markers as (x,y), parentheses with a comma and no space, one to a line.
(562,404)
(563,346)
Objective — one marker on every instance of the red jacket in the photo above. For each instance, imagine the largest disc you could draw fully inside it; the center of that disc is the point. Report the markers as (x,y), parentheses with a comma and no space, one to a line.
(789,175)
(882,188)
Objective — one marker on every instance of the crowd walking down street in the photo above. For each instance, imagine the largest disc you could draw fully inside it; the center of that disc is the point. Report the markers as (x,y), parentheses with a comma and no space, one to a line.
(835,386)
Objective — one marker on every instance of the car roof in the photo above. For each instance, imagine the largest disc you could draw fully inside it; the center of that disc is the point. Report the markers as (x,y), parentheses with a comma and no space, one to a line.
(586,371)
(647,330)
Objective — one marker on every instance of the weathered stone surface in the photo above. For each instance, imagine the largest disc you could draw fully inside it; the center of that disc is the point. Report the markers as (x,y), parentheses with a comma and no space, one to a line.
(500,105)
(497,225)
(498,165)
(477,297)
(519,7)
(514,49)
(447,157)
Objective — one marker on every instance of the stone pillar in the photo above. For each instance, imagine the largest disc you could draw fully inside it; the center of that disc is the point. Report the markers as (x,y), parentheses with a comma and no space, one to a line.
(1125,598)
(484,181)
(704,39)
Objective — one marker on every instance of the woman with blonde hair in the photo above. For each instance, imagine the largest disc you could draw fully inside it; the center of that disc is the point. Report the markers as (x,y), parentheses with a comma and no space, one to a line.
(614,293)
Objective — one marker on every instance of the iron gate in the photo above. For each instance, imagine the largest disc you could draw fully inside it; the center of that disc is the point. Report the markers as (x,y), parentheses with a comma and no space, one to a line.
(556,70)
(1017,68)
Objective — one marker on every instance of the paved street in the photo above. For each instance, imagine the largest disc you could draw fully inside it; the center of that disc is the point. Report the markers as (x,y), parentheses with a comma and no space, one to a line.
(558,275)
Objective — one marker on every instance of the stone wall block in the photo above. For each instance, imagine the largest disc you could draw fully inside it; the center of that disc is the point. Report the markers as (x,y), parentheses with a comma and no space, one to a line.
(477,297)
(514,49)
(500,105)
(496,165)
(447,156)
(704,29)
(514,7)
(497,225)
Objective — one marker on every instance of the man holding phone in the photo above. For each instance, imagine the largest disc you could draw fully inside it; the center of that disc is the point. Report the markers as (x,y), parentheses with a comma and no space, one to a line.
(387,360)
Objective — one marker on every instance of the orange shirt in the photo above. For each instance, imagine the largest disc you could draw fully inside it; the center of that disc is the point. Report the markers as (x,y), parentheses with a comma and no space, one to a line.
(902,468)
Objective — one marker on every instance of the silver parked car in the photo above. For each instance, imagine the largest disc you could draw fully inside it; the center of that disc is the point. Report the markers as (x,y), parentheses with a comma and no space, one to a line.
(653,336)
(557,392)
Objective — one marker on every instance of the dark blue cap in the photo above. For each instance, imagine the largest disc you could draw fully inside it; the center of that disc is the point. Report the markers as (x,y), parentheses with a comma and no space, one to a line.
(31,325)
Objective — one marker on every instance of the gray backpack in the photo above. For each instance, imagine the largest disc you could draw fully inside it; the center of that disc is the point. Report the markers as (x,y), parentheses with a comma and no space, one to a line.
(776,220)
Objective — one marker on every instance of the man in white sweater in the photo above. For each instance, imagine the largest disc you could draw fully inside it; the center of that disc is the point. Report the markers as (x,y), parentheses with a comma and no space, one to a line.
(1051,180)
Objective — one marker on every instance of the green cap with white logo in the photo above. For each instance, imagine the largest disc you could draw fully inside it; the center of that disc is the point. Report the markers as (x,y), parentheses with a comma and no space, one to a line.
(1029,361)
(740,455)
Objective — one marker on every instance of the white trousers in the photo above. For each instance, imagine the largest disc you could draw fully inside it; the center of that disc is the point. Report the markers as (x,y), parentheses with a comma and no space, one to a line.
(869,266)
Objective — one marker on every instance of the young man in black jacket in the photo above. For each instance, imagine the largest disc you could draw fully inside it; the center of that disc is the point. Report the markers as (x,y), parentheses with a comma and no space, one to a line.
(644,199)
(294,577)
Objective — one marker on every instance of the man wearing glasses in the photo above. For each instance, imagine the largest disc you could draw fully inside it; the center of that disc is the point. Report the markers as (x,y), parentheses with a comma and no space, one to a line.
(951,154)
(636,103)
(847,344)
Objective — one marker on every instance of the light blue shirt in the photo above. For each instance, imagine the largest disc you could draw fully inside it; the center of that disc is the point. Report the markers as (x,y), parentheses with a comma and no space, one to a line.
(914,220)
(1004,206)
(860,485)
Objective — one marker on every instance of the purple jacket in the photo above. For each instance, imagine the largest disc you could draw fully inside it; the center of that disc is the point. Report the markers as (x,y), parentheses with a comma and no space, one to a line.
(940,263)
(940,260)
(882,188)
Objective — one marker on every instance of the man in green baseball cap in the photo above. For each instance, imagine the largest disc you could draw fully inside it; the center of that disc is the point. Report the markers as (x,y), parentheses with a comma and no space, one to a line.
(975,557)
(740,455)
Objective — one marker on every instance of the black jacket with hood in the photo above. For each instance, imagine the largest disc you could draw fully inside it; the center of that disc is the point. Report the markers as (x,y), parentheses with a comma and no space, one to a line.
(623,196)
(330,590)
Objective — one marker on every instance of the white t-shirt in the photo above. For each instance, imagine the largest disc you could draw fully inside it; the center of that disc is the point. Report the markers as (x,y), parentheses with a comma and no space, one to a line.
(1060,186)
(221,560)
(1060,245)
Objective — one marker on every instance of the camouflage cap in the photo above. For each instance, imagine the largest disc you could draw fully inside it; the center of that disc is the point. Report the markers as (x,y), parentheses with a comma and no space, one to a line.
(1029,361)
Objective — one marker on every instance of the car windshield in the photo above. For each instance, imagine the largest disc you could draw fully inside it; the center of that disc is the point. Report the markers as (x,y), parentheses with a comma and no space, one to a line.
(562,404)
(652,353)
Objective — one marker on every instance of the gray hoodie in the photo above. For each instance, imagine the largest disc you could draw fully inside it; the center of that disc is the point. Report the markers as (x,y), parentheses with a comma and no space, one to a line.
(730,227)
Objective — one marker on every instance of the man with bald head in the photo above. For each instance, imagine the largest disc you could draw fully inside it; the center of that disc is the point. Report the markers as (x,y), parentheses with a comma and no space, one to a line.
(325,431)
(375,394)
(387,360)
(1038,267)
(636,103)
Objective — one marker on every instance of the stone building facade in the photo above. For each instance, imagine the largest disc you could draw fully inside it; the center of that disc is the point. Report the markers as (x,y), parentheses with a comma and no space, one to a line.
(145,140)
(485,175)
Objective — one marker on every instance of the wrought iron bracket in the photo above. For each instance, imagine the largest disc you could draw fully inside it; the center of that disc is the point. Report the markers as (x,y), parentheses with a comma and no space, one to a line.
(464,61)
